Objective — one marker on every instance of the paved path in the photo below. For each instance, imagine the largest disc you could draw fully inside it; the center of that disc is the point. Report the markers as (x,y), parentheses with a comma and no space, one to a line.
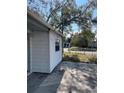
(67,77)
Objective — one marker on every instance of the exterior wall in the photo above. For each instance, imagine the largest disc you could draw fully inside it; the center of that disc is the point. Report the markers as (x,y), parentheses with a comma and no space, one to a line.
(55,56)
(40,52)
(29,44)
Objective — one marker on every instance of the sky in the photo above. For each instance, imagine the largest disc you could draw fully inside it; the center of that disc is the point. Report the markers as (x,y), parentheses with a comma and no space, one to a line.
(80,2)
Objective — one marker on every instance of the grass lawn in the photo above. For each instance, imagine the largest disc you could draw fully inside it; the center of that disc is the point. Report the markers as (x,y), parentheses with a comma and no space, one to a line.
(79,57)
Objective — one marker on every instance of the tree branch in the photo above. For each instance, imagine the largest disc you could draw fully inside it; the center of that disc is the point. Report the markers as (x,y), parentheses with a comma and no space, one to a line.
(75,16)
(54,10)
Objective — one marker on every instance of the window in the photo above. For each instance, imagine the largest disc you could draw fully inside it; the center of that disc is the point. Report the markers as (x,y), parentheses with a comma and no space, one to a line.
(57,45)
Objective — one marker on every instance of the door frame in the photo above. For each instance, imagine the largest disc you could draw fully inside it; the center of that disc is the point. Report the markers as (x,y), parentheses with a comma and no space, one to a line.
(28,53)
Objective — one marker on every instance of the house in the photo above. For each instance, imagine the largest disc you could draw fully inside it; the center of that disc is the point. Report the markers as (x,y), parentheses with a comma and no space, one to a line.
(44,45)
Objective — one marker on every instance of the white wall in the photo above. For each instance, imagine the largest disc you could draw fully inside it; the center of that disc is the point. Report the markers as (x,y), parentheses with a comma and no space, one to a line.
(44,58)
(55,56)
(40,52)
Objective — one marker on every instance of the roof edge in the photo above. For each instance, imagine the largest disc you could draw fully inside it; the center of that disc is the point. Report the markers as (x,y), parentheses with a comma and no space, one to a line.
(39,19)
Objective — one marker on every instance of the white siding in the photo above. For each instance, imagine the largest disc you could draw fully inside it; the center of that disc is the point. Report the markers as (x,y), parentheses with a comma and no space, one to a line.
(40,52)
(55,56)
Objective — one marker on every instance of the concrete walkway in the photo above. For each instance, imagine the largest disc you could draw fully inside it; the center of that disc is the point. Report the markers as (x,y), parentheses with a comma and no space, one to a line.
(67,77)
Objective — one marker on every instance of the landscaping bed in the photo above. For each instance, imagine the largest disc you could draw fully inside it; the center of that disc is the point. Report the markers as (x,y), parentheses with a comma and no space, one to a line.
(79,57)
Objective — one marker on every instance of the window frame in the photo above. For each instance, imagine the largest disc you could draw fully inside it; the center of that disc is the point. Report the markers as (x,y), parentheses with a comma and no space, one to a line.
(57,45)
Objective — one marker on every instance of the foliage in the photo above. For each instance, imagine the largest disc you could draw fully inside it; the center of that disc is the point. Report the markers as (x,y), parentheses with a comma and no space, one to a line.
(67,32)
(72,58)
(92,58)
(79,41)
(88,35)
(82,39)
(62,13)
(94,21)
(79,57)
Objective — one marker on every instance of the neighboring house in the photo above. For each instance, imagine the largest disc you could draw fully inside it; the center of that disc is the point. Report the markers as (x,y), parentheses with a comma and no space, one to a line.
(44,45)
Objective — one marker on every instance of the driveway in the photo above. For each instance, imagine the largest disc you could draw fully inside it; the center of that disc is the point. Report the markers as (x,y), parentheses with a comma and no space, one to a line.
(67,77)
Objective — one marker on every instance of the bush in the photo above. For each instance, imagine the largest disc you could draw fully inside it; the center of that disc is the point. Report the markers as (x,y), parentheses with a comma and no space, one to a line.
(93,59)
(73,58)
(79,41)
(79,57)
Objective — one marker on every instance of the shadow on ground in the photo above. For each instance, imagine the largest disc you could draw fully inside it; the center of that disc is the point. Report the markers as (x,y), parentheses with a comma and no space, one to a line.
(67,77)
(78,78)
(44,83)
(34,80)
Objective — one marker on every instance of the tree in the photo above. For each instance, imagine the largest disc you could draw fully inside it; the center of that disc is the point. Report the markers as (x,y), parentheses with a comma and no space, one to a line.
(79,41)
(61,13)
(94,21)
(88,35)
(82,39)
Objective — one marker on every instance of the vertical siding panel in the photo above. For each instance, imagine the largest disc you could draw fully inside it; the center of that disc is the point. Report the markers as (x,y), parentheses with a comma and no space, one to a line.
(40,51)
